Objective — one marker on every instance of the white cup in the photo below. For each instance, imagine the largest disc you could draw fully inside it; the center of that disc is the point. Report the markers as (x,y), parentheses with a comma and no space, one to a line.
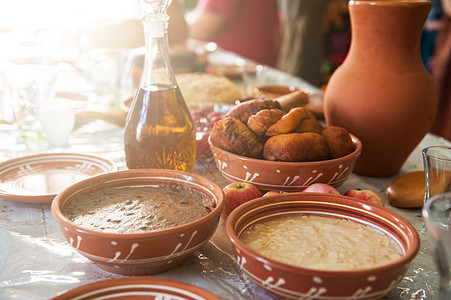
(57,120)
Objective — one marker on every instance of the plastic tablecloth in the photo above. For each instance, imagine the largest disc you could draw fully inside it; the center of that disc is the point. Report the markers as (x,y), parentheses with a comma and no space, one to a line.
(37,263)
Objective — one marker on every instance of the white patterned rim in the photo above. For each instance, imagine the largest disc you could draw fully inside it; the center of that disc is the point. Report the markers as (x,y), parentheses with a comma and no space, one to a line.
(38,178)
(130,288)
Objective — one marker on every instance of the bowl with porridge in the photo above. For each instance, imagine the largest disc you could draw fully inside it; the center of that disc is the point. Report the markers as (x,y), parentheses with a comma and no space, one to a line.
(321,246)
(139,222)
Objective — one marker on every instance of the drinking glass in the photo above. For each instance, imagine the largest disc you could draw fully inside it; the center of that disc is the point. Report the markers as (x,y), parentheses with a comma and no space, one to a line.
(131,73)
(253,76)
(105,70)
(27,82)
(437,170)
(437,218)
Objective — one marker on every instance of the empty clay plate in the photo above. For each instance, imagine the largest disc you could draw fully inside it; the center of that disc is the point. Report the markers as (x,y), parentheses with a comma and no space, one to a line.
(38,178)
(137,288)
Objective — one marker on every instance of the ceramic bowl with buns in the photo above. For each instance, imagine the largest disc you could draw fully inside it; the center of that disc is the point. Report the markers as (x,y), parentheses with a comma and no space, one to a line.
(305,282)
(259,142)
(285,176)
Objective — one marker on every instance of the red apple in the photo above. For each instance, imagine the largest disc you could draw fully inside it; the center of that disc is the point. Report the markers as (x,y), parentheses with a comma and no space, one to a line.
(321,188)
(365,195)
(236,194)
(271,193)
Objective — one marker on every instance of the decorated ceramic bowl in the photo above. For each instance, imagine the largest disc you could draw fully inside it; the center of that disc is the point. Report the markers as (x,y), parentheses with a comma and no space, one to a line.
(139,253)
(133,288)
(285,176)
(307,283)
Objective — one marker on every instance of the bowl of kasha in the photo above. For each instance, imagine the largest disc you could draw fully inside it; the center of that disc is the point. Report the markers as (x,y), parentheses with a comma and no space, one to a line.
(321,246)
(139,222)
(257,141)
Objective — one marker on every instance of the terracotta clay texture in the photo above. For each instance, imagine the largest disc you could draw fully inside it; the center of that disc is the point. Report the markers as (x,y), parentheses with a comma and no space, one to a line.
(285,176)
(275,91)
(132,288)
(139,253)
(382,92)
(302,283)
(38,178)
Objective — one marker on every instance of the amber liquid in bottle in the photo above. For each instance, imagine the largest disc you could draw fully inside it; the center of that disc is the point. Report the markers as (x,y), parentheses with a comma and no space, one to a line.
(159,132)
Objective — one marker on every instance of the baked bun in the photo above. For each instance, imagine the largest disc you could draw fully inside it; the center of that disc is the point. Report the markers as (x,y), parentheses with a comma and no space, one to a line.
(339,141)
(307,146)
(232,135)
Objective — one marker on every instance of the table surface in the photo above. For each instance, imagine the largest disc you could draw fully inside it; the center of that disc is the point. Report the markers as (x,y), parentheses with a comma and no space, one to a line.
(37,263)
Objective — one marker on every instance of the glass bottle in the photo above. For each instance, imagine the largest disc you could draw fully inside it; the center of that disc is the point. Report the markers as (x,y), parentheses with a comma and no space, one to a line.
(159,131)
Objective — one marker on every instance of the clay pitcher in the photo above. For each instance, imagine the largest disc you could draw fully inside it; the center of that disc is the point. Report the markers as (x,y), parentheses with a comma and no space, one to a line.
(382,93)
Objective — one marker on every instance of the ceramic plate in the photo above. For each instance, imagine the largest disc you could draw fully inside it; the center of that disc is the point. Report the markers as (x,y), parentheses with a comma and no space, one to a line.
(137,288)
(38,178)
(78,100)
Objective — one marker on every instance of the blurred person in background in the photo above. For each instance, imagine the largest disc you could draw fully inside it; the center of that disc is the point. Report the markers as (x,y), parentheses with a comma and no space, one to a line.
(177,27)
(429,34)
(337,35)
(129,33)
(302,50)
(315,38)
(248,28)
(440,64)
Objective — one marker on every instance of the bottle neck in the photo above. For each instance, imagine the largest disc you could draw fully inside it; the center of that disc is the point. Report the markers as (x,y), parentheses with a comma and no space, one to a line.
(157,67)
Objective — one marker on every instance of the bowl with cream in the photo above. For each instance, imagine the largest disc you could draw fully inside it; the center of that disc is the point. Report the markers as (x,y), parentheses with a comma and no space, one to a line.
(139,222)
(321,246)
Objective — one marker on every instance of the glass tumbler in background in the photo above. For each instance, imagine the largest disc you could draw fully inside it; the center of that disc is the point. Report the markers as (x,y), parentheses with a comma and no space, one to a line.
(27,82)
(437,170)
(437,219)
(252,76)
(105,70)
